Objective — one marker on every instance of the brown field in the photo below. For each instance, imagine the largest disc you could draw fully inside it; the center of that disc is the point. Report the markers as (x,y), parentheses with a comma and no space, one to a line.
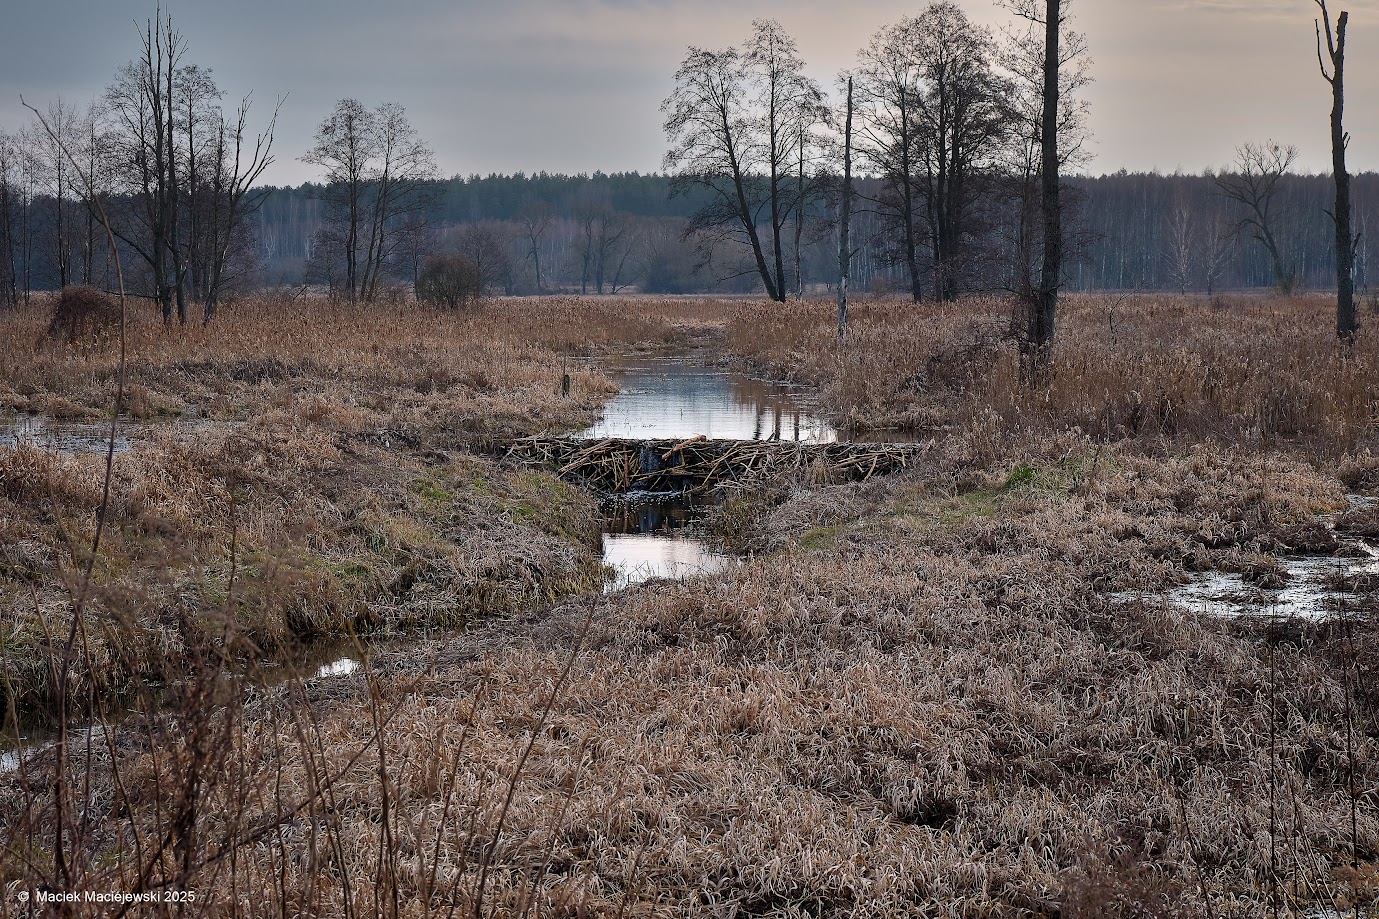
(948,693)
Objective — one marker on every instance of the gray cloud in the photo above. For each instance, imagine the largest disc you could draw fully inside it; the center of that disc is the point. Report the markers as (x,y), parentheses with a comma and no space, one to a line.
(574,85)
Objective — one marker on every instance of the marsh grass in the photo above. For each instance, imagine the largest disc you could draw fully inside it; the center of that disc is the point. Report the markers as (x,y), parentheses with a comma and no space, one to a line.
(346,452)
(1259,370)
(928,714)
(934,695)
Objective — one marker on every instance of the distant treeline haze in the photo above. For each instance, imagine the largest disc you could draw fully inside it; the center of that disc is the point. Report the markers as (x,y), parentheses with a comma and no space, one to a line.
(1129,231)
(623,232)
(949,208)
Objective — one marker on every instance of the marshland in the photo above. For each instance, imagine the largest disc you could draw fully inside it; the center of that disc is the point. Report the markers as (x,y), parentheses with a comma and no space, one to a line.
(888,508)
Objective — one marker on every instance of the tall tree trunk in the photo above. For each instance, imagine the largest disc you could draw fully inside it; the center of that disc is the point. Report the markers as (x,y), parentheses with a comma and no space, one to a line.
(844,221)
(744,212)
(776,221)
(1046,305)
(799,221)
(1345,242)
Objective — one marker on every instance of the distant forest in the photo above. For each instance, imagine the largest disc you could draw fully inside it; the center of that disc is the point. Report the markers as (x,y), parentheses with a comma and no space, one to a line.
(626,232)
(1130,231)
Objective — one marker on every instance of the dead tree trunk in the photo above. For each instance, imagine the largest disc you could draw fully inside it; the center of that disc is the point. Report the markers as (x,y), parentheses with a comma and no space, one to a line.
(1345,242)
(844,221)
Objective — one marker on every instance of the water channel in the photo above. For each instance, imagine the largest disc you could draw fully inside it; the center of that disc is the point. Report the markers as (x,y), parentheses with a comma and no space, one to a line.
(647,535)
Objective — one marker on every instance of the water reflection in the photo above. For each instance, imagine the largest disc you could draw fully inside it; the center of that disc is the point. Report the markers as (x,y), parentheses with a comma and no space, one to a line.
(640,557)
(62,436)
(670,398)
(646,536)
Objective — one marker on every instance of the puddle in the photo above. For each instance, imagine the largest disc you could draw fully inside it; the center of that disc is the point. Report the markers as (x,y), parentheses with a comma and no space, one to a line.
(62,436)
(77,437)
(336,659)
(342,667)
(1308,594)
(645,536)
(663,398)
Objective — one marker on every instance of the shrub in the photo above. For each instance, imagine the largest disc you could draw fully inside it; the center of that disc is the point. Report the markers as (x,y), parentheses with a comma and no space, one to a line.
(84,314)
(449,280)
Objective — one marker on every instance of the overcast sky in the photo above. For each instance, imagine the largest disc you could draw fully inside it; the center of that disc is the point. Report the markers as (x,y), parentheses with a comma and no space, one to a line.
(575,85)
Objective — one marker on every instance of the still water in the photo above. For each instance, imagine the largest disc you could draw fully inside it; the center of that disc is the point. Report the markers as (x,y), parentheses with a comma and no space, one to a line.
(78,437)
(1315,587)
(61,436)
(645,536)
(679,398)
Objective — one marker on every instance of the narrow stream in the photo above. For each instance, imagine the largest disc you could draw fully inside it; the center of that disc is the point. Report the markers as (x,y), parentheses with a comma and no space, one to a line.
(666,397)
(645,535)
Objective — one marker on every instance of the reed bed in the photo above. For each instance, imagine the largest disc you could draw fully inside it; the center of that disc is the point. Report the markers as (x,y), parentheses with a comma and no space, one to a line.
(1261,370)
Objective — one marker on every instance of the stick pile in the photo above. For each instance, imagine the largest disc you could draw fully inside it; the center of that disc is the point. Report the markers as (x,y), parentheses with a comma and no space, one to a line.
(699,464)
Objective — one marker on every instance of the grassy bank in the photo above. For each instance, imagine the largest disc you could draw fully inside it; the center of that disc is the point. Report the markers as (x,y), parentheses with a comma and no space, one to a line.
(1263,371)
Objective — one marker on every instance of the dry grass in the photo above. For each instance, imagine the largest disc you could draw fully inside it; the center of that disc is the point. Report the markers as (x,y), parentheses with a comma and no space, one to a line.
(333,452)
(491,370)
(933,713)
(1259,370)
(920,699)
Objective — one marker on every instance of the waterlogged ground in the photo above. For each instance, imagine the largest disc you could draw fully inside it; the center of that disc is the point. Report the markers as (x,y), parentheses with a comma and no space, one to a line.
(82,437)
(1306,586)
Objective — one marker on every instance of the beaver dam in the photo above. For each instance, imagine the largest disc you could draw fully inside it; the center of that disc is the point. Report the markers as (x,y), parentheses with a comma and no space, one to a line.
(700,464)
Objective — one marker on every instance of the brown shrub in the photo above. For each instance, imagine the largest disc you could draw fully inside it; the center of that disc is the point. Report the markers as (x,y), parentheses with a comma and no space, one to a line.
(84,315)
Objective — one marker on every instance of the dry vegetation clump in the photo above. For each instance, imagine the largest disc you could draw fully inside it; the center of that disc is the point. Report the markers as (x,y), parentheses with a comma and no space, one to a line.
(1262,370)
(84,316)
(931,708)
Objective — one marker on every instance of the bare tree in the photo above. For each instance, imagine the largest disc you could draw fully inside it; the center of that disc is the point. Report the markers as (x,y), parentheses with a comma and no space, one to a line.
(9,219)
(378,172)
(1346,243)
(1218,249)
(1180,244)
(235,167)
(737,122)
(964,123)
(1042,326)
(482,246)
(344,148)
(55,178)
(1254,185)
(889,89)
(402,188)
(845,219)
(1050,69)
(536,220)
(788,105)
(935,122)
(142,101)
(1025,56)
